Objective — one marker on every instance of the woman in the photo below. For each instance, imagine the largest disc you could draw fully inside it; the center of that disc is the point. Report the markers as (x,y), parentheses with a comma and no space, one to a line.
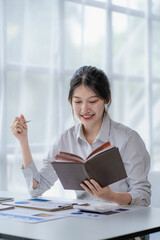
(89,94)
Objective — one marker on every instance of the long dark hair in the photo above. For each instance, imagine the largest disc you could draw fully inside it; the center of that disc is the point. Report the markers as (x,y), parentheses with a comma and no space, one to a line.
(93,78)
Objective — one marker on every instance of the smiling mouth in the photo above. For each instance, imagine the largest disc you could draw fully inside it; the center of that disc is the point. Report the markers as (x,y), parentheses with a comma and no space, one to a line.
(87,117)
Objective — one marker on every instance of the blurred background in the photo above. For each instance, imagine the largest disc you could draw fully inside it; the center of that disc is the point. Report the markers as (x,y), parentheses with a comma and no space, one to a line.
(42,43)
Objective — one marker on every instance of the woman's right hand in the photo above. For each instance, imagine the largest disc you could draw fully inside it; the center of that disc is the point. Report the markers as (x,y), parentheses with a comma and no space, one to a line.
(19,128)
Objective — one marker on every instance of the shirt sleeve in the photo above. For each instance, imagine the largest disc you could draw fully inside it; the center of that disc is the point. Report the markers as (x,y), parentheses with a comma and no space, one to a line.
(137,164)
(46,177)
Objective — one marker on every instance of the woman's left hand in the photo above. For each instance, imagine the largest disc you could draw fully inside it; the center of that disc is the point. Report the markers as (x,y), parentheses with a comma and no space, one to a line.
(94,189)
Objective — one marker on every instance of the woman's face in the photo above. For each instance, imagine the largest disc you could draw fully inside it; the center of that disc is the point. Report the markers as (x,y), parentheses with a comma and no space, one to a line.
(87,106)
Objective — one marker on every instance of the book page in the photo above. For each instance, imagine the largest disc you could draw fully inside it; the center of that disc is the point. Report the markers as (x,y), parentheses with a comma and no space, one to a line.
(68,157)
(99,149)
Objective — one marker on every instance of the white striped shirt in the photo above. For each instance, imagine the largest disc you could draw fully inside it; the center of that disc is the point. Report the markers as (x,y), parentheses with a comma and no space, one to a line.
(132,149)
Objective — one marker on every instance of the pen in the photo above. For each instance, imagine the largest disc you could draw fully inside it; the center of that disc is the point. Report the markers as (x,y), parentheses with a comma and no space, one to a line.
(27,121)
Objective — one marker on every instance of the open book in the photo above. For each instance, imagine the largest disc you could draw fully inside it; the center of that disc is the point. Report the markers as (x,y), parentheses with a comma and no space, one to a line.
(104,165)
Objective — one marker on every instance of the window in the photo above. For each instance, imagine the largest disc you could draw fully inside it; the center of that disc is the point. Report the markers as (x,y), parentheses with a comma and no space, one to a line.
(44,42)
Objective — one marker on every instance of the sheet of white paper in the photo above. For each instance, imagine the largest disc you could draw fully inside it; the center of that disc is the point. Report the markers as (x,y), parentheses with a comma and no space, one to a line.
(31,215)
(4,207)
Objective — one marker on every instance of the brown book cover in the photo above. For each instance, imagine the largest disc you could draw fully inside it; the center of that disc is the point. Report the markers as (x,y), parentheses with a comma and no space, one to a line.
(104,165)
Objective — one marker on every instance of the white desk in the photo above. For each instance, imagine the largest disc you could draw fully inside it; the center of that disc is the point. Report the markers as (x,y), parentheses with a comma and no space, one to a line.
(145,220)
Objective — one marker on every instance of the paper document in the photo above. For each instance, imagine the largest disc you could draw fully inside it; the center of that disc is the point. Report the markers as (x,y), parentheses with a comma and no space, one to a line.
(6,199)
(32,216)
(42,204)
(5,207)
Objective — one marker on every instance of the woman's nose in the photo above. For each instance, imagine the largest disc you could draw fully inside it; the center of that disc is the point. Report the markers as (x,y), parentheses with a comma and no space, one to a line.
(85,108)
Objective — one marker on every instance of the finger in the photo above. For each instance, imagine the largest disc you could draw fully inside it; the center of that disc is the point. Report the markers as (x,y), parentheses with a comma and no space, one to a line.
(96,185)
(86,188)
(18,127)
(17,130)
(90,185)
(22,118)
(14,124)
(20,124)
(15,120)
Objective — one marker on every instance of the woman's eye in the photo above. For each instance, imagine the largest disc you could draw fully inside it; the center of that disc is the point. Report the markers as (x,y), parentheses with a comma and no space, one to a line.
(77,102)
(93,101)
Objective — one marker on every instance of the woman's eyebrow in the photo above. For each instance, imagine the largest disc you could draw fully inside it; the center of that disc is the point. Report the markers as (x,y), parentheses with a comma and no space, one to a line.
(76,97)
(89,97)
(94,96)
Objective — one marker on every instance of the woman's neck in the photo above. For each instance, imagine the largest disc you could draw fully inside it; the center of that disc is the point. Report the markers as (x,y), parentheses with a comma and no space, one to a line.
(91,133)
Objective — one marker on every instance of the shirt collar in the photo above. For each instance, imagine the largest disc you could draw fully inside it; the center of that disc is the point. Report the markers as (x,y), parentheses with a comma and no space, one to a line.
(80,134)
(103,134)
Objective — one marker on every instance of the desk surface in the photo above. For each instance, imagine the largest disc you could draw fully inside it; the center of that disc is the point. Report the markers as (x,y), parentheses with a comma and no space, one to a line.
(118,225)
